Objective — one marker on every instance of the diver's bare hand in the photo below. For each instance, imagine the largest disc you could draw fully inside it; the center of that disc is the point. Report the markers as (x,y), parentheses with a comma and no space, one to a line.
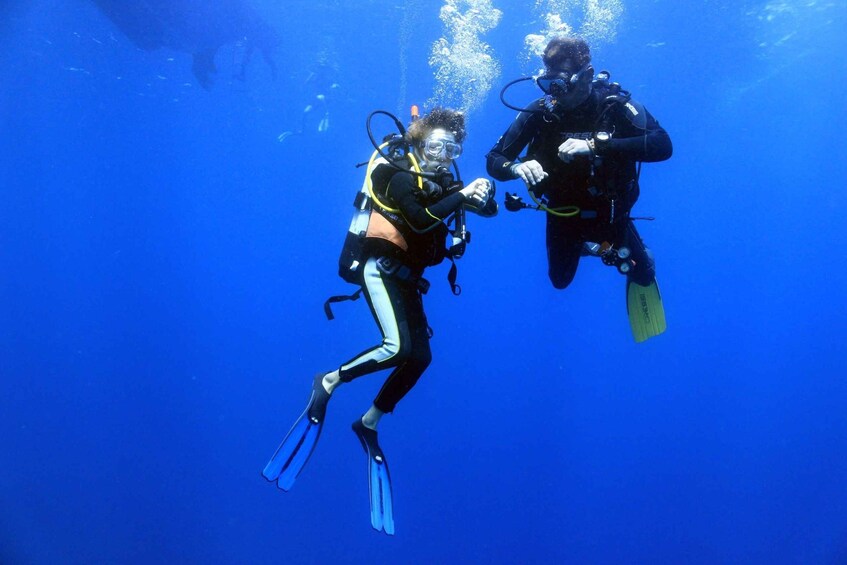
(531,172)
(573,148)
(477,192)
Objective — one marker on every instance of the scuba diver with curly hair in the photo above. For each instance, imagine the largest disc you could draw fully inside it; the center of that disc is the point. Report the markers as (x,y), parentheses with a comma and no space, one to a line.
(586,139)
(408,196)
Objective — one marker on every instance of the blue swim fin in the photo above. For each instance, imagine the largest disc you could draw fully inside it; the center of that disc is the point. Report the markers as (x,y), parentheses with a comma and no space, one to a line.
(379,480)
(293,453)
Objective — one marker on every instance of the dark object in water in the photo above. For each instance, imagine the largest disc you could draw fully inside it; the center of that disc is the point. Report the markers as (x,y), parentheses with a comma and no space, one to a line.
(198,27)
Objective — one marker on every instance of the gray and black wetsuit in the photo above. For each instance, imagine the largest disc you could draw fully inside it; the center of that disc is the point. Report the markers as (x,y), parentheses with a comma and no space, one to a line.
(391,279)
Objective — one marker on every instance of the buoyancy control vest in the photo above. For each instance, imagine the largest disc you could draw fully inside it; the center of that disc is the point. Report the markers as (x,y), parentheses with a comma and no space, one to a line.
(376,217)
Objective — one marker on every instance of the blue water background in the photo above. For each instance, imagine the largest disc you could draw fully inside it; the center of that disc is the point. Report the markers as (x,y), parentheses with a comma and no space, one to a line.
(164,262)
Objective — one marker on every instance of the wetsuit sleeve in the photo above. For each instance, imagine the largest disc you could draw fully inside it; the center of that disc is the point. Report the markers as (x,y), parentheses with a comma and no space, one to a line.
(403,188)
(502,156)
(648,143)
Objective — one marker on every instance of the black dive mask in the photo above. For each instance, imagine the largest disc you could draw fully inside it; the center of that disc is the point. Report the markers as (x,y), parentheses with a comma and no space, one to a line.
(559,84)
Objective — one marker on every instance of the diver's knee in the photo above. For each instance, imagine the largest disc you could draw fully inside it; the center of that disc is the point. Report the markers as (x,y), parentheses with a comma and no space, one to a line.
(561,280)
(390,351)
(421,358)
(398,351)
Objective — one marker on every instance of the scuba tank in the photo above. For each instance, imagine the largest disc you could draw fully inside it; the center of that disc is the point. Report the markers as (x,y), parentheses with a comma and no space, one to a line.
(363,203)
(351,251)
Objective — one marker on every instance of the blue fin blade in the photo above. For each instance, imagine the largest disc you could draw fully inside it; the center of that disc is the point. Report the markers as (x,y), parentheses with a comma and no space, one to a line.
(301,456)
(286,449)
(376,494)
(387,499)
(293,453)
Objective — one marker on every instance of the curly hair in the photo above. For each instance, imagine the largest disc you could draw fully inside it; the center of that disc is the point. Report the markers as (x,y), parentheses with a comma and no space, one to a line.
(437,118)
(561,49)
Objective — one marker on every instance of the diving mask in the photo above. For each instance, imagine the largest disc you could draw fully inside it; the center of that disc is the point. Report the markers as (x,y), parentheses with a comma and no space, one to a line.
(441,146)
(560,83)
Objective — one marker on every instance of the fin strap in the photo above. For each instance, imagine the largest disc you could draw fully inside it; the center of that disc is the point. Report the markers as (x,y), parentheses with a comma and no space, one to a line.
(339,298)
(452,275)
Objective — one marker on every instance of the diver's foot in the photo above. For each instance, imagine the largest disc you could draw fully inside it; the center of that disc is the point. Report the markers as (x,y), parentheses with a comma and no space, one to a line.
(296,448)
(372,417)
(379,480)
(320,398)
(368,439)
(332,381)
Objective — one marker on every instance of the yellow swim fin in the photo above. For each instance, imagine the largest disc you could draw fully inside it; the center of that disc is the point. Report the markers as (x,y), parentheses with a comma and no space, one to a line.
(646,313)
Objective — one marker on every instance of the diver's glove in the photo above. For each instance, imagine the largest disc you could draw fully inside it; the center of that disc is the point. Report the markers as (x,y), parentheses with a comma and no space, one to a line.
(573,148)
(531,172)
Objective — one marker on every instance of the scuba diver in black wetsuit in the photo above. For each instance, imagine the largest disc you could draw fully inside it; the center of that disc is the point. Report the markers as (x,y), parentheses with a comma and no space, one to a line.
(409,193)
(322,88)
(586,138)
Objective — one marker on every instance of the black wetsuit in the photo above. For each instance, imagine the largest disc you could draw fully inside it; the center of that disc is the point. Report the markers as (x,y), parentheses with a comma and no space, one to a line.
(391,280)
(604,189)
